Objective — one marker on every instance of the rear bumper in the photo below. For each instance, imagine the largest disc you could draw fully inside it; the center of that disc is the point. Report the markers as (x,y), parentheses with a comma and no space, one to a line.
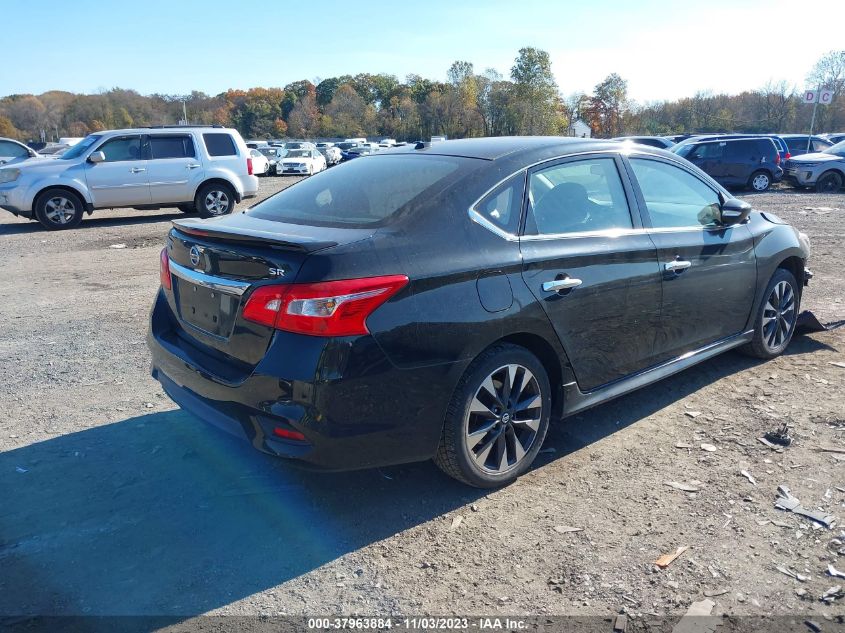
(355,409)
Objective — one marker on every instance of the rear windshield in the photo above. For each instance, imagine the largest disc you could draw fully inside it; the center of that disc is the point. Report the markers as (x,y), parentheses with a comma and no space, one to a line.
(364,192)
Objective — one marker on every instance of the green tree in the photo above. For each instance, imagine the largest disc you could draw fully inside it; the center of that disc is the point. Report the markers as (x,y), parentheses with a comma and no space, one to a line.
(535,92)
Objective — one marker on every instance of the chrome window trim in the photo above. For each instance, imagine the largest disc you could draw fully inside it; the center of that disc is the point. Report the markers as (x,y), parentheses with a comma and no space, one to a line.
(226,286)
(479,219)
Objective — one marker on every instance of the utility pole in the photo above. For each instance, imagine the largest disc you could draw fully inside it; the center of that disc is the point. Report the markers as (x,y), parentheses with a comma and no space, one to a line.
(813,119)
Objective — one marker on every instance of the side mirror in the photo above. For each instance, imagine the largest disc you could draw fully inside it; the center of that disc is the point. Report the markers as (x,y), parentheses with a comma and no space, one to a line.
(96,157)
(733,211)
(32,153)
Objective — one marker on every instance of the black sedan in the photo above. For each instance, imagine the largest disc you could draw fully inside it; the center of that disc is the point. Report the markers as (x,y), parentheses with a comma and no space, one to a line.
(448,300)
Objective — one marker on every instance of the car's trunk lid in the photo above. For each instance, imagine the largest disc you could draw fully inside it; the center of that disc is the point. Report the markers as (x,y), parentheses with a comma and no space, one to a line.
(216,264)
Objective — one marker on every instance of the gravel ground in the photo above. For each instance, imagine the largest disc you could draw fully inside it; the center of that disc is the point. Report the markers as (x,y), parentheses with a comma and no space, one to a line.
(112,501)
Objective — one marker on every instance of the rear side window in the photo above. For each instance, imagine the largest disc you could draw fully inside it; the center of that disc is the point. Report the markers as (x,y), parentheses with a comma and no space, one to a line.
(797,144)
(219,144)
(502,206)
(365,192)
(575,197)
(177,146)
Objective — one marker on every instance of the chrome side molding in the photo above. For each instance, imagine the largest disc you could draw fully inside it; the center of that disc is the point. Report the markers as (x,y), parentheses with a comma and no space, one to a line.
(575,400)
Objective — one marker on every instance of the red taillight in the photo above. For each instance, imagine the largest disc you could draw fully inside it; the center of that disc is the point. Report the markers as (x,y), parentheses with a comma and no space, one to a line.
(249,166)
(777,158)
(329,308)
(164,270)
(288,435)
(788,156)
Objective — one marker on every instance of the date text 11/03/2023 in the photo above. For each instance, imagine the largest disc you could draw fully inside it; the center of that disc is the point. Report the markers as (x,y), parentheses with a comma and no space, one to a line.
(416,624)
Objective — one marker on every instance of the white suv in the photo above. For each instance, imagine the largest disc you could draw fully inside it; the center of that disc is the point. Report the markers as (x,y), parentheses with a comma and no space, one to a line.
(203,169)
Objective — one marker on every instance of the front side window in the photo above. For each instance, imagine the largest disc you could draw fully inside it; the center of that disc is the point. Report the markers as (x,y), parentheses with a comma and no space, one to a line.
(575,197)
(177,146)
(708,151)
(675,198)
(820,145)
(219,144)
(12,150)
(122,148)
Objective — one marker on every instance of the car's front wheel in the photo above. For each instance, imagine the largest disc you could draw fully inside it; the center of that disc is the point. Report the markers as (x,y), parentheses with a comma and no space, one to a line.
(760,181)
(497,419)
(829,182)
(776,316)
(215,199)
(58,209)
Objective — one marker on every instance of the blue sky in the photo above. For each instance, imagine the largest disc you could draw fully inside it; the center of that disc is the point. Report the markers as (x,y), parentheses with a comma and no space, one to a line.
(664,48)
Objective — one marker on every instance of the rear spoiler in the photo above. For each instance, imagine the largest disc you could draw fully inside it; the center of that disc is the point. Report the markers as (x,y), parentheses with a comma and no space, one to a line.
(242,234)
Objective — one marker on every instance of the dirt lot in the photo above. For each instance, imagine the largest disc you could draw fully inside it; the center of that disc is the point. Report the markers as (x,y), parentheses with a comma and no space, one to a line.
(114,502)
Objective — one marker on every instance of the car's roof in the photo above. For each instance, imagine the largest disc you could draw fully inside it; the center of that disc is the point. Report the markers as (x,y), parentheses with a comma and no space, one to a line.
(170,130)
(492,148)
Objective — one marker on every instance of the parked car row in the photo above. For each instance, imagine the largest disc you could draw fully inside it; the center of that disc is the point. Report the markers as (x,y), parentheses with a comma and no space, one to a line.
(756,161)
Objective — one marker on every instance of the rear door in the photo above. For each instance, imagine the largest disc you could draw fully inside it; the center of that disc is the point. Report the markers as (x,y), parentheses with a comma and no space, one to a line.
(592,267)
(173,168)
(709,271)
(738,162)
(121,180)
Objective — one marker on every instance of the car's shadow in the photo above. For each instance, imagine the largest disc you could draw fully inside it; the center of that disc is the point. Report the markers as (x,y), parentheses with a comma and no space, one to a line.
(160,514)
(19,228)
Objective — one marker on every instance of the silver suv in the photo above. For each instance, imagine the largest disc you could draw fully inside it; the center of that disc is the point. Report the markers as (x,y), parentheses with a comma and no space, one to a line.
(825,171)
(203,169)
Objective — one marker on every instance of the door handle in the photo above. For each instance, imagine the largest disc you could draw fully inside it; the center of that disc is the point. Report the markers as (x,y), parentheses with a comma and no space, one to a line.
(557,285)
(194,166)
(676,266)
(138,170)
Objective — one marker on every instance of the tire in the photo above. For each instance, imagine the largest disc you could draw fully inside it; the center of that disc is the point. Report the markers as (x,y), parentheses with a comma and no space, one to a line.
(478,445)
(187,208)
(214,199)
(776,316)
(760,180)
(58,209)
(266,170)
(829,182)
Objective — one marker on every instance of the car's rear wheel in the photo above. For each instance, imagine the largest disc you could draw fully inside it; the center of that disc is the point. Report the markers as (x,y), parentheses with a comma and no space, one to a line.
(760,181)
(215,199)
(58,209)
(829,182)
(266,169)
(497,419)
(776,316)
